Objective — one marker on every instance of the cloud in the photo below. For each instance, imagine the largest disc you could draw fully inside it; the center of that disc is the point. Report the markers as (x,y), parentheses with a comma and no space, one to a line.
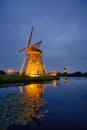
(60,25)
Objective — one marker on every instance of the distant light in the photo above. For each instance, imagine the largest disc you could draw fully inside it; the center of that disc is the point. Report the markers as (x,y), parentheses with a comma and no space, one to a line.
(65,70)
(10,71)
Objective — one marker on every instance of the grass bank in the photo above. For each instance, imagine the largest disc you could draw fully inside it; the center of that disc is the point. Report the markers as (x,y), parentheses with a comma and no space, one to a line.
(13,79)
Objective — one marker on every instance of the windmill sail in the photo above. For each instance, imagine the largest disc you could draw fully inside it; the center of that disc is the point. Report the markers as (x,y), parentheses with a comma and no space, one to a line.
(30,36)
(22,66)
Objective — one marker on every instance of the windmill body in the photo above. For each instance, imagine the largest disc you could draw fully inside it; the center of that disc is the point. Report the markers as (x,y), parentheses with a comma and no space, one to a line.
(34,64)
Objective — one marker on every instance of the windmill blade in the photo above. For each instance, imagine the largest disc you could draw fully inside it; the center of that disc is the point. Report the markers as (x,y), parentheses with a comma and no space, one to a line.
(43,65)
(30,36)
(22,49)
(22,66)
(36,44)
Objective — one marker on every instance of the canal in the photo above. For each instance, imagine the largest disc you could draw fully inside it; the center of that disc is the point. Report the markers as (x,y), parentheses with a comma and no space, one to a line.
(56,105)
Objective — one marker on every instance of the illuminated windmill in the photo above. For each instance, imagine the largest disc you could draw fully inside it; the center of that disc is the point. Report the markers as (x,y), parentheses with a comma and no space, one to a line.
(34,62)
(65,71)
(10,71)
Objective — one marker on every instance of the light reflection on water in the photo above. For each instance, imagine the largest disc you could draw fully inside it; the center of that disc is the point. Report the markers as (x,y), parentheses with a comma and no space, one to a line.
(57,105)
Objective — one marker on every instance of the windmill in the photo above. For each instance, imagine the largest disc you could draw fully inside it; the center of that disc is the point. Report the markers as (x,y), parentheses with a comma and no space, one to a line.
(33,59)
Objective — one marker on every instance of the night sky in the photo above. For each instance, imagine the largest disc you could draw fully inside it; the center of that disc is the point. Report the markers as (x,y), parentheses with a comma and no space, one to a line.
(60,24)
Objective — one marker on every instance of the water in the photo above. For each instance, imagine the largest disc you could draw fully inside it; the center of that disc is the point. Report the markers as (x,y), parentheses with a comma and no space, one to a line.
(59,105)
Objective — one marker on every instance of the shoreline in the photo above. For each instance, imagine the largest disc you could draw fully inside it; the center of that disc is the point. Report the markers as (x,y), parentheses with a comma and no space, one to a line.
(22,79)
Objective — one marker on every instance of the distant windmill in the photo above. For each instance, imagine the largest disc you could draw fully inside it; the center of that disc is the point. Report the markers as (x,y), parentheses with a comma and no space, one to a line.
(10,71)
(65,71)
(34,61)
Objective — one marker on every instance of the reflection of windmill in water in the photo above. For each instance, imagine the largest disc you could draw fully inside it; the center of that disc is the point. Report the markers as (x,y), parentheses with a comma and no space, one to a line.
(31,108)
(37,104)
(34,63)
(35,90)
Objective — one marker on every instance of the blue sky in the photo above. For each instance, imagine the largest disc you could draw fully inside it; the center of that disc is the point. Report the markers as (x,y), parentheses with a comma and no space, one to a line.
(60,24)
